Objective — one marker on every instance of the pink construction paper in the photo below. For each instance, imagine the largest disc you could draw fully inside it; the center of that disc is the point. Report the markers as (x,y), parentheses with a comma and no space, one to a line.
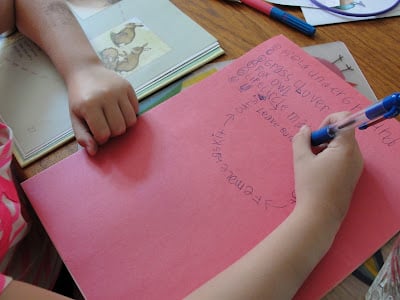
(205,176)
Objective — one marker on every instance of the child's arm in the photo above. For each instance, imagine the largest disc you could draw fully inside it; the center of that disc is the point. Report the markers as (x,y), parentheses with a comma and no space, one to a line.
(277,266)
(21,290)
(7,16)
(102,104)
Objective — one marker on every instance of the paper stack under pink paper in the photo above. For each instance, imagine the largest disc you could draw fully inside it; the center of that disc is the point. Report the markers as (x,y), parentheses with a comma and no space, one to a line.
(206,175)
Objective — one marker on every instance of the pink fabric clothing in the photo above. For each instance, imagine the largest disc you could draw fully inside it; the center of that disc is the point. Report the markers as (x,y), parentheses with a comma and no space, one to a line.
(12,225)
(26,252)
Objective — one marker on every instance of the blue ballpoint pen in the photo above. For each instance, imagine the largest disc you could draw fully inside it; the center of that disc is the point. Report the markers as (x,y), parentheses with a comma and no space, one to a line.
(388,107)
(279,15)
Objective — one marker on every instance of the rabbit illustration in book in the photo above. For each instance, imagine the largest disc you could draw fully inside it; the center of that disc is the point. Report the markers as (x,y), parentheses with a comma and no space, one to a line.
(130,60)
(109,57)
(125,35)
(121,61)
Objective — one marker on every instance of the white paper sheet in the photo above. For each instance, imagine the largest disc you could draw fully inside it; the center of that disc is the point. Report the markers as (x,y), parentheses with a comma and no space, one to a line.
(305,3)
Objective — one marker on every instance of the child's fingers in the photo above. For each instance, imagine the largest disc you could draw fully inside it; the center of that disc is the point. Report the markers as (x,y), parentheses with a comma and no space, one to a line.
(128,112)
(335,117)
(83,136)
(133,99)
(302,143)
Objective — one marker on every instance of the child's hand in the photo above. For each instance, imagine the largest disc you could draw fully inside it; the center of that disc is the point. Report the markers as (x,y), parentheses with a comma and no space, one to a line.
(102,105)
(325,181)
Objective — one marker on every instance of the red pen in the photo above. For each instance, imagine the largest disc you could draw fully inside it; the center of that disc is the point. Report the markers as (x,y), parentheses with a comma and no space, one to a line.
(279,15)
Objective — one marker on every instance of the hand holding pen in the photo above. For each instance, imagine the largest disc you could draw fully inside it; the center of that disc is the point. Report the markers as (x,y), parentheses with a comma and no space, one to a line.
(388,107)
(325,180)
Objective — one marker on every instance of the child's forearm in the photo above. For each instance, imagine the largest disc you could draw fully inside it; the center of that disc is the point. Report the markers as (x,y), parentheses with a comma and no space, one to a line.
(102,104)
(277,266)
(21,290)
(7,22)
(52,26)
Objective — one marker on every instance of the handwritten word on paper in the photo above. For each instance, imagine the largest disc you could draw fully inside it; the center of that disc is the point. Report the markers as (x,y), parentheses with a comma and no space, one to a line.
(235,179)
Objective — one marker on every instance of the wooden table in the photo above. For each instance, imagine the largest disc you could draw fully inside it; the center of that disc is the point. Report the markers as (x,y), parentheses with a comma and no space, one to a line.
(374,44)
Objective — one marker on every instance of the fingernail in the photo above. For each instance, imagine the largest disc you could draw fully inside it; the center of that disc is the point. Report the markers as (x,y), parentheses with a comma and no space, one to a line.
(92,150)
(304,128)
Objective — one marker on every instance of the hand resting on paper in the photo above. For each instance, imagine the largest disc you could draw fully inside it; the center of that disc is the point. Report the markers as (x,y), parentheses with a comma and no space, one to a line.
(277,267)
(102,103)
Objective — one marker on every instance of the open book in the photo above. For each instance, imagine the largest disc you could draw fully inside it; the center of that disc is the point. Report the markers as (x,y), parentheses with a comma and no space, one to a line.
(149,49)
